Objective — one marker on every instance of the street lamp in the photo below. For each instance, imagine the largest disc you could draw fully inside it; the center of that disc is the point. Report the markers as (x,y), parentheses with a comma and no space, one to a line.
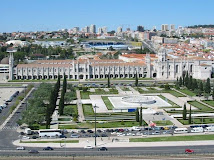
(95,125)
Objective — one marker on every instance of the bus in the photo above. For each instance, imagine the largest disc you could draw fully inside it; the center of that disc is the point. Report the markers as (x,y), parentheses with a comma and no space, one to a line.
(50,133)
(181,130)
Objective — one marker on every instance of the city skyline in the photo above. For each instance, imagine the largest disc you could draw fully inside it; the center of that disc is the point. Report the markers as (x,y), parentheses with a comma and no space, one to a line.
(54,15)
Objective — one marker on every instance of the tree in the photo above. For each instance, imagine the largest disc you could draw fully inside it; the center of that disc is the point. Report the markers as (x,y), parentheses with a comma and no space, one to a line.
(201,88)
(184,112)
(189,86)
(180,82)
(213,94)
(62,103)
(167,87)
(194,85)
(137,115)
(141,117)
(207,86)
(136,80)
(108,80)
(190,116)
(186,80)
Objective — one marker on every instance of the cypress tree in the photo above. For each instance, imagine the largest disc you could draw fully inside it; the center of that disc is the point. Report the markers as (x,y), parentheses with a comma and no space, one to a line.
(201,88)
(180,82)
(137,115)
(108,81)
(61,103)
(190,115)
(213,94)
(136,80)
(141,117)
(190,83)
(184,112)
(207,86)
(186,80)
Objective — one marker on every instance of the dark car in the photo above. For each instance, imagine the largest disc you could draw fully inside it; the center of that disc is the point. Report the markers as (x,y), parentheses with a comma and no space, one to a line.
(104,135)
(48,149)
(102,149)
(22,133)
(33,151)
(62,136)
(35,137)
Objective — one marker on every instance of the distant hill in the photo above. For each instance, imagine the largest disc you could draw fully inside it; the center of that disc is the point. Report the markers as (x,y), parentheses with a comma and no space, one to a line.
(203,26)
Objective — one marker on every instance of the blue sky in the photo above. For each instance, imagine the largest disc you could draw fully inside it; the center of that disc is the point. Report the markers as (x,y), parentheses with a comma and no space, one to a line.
(33,15)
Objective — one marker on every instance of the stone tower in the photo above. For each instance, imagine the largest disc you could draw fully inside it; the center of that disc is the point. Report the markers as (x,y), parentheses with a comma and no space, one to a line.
(148,65)
(11,51)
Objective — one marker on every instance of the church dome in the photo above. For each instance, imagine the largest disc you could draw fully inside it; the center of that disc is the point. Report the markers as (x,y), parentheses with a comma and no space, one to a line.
(5,60)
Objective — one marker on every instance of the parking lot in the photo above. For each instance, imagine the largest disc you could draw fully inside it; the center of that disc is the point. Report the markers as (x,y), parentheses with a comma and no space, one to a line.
(6,93)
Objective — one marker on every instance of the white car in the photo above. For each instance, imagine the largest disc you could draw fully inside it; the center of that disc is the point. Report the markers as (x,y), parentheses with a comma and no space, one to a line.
(20,148)
(88,147)
(25,137)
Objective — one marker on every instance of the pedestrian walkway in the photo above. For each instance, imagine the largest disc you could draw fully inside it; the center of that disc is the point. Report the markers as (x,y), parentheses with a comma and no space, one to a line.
(81,117)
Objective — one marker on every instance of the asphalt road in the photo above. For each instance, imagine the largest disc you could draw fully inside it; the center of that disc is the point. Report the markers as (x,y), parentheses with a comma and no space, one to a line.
(111,151)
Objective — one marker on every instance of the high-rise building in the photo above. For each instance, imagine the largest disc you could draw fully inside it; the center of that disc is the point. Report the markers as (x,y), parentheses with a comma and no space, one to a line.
(104,29)
(100,31)
(76,29)
(93,28)
(164,27)
(119,30)
(140,28)
(172,27)
(85,29)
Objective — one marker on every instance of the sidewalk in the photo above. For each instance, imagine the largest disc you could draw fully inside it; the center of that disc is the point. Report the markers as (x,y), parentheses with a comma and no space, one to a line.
(79,106)
(111,142)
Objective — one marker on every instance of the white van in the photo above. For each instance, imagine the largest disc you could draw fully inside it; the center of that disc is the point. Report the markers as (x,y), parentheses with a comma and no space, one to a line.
(134,128)
(197,130)
(180,130)
(209,129)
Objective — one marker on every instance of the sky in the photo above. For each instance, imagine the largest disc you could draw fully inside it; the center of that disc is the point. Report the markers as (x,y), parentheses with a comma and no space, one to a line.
(49,15)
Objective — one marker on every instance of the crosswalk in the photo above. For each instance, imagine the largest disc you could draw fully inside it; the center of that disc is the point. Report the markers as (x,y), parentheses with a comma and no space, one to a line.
(9,128)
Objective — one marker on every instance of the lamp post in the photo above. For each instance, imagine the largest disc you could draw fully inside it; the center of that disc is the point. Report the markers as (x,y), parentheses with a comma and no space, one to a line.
(95,126)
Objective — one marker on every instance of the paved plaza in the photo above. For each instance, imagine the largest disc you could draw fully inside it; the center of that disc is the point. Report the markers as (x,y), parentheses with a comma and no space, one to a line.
(5,93)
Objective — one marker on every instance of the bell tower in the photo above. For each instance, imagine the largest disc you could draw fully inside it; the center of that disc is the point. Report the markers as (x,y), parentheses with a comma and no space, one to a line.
(11,51)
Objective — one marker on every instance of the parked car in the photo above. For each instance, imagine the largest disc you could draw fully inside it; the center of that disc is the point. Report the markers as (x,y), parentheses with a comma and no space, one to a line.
(25,137)
(103,149)
(75,136)
(48,148)
(62,136)
(88,147)
(35,137)
(20,148)
(189,151)
(33,151)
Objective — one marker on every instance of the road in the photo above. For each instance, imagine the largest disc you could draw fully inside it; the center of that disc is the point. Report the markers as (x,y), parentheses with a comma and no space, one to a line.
(111,151)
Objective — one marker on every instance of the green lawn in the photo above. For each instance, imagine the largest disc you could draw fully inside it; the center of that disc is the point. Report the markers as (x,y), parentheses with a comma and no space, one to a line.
(163,123)
(173,138)
(84,95)
(62,141)
(87,109)
(211,103)
(107,102)
(200,106)
(174,105)
(175,93)
(204,120)
(188,92)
